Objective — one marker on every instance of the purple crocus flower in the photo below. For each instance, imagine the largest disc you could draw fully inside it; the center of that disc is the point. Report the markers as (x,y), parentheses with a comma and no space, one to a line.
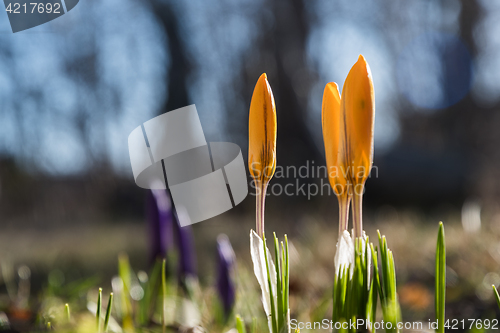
(159,215)
(165,229)
(184,241)
(225,283)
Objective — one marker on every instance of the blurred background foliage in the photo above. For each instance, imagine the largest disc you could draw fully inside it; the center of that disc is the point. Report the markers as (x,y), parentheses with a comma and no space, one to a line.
(73,89)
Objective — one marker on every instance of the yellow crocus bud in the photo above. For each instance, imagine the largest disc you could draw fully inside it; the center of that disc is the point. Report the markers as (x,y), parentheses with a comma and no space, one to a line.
(262,143)
(333,125)
(358,106)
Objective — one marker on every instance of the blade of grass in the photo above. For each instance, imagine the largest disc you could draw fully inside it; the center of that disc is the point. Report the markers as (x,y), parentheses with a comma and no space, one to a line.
(383,262)
(254,325)
(108,312)
(376,275)
(125,273)
(392,276)
(386,280)
(394,310)
(287,274)
(286,282)
(371,315)
(284,275)
(66,311)
(240,325)
(164,295)
(497,297)
(344,292)
(148,301)
(99,309)
(271,294)
(279,290)
(335,299)
(366,272)
(440,278)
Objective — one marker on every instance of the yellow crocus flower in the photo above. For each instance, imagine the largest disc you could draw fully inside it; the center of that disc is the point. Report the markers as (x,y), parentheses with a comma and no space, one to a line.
(333,125)
(358,107)
(262,143)
(348,122)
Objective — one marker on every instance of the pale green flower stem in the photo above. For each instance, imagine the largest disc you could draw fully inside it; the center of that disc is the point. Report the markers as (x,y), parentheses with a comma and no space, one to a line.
(357,212)
(344,201)
(261,200)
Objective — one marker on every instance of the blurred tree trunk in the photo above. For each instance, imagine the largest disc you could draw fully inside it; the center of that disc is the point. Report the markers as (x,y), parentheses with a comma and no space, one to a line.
(479,123)
(179,69)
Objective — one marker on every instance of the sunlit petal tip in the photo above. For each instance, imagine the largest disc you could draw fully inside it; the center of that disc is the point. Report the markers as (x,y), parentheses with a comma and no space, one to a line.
(263,86)
(363,68)
(333,89)
(330,107)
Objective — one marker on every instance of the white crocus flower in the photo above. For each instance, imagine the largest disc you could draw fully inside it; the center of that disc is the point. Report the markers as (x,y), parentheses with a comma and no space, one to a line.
(345,253)
(260,270)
